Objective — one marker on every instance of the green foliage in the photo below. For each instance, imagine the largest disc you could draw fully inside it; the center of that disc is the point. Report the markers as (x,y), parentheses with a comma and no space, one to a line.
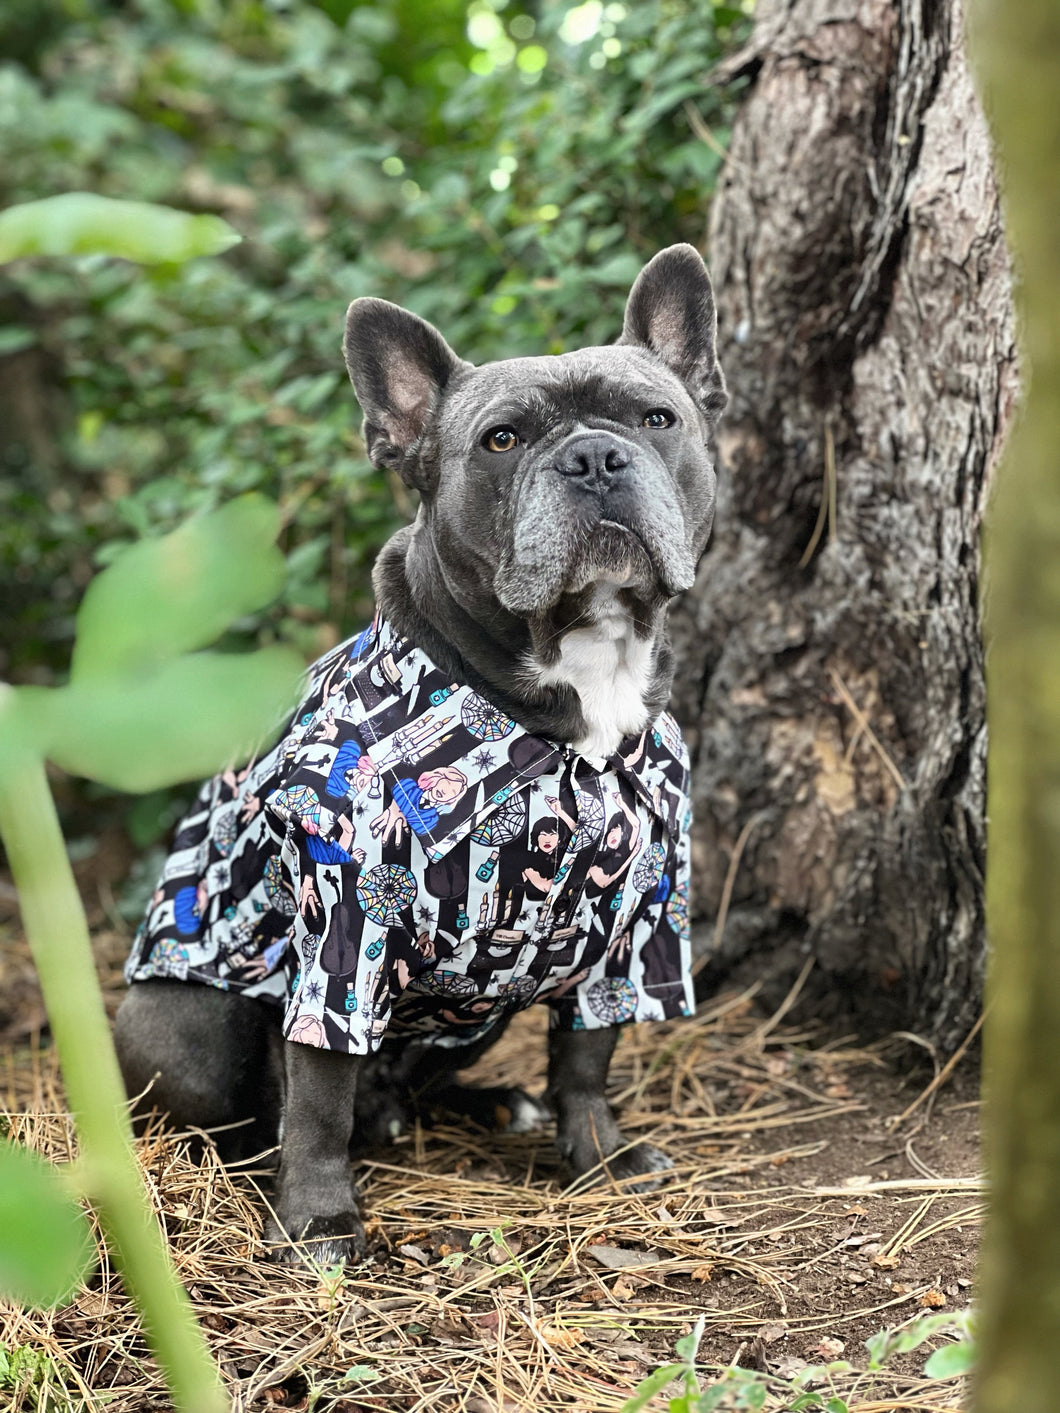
(952,1360)
(79,223)
(887,1343)
(746,1391)
(45,1244)
(506,186)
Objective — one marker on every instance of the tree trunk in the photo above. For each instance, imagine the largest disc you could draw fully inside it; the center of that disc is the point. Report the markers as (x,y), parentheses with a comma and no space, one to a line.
(832,683)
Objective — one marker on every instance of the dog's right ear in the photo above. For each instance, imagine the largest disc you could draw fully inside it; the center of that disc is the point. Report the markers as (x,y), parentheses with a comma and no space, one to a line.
(399,365)
(671,313)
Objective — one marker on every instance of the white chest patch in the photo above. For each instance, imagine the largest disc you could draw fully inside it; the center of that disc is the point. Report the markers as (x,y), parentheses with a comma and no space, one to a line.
(610,669)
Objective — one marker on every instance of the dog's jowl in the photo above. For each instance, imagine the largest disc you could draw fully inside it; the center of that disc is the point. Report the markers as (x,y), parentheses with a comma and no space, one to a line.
(480,802)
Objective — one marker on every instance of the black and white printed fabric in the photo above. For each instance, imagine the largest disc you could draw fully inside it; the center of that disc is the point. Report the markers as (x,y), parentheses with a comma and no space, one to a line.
(409,860)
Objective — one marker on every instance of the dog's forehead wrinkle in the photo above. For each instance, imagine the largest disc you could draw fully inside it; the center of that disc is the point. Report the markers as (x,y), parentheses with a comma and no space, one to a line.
(586,381)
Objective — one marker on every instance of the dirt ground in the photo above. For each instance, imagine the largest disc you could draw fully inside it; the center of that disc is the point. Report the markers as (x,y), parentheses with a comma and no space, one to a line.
(821,1192)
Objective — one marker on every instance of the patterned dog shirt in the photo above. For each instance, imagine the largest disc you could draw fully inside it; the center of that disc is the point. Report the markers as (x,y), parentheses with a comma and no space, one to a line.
(410,861)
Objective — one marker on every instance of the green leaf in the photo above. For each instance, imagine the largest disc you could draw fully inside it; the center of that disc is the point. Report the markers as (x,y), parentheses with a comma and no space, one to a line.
(46,1246)
(686,1347)
(653,1384)
(711,1397)
(80,223)
(885,1343)
(171,595)
(952,1360)
(361,1374)
(185,720)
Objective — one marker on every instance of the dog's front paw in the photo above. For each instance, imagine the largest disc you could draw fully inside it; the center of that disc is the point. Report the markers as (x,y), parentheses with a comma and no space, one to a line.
(318,1241)
(639,1161)
(642,1158)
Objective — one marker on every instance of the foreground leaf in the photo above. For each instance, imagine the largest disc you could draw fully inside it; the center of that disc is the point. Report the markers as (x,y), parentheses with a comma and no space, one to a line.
(171,595)
(185,720)
(653,1384)
(46,1246)
(80,223)
(951,1360)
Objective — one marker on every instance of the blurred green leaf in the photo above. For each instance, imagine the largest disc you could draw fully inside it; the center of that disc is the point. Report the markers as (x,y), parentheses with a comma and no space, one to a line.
(182,720)
(46,1245)
(653,1384)
(80,223)
(952,1359)
(171,595)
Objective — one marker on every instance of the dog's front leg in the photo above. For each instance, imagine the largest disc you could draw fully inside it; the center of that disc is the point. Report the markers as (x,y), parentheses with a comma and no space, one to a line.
(316,1203)
(586,1133)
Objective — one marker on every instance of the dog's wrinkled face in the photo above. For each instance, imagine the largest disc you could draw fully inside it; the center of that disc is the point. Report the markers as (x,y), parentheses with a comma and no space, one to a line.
(547,482)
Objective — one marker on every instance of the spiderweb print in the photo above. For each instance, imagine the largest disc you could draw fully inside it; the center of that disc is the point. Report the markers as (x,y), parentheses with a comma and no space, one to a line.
(613,999)
(590,820)
(519,990)
(300,802)
(677,909)
(224,832)
(505,824)
(649,869)
(484,720)
(384,892)
(275,890)
(446,983)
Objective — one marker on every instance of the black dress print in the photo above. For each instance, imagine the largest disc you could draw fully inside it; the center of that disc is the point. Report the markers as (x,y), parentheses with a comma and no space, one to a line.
(408,860)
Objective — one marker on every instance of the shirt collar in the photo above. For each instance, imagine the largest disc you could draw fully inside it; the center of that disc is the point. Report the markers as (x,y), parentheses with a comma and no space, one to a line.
(454,761)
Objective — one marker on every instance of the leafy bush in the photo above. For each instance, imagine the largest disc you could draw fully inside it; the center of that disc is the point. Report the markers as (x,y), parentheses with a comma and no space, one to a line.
(502,170)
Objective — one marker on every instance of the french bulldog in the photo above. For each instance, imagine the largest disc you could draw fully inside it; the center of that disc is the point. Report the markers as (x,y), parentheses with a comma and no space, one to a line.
(563,502)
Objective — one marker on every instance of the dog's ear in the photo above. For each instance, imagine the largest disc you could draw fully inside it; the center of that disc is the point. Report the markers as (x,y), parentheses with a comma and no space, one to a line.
(671,312)
(399,365)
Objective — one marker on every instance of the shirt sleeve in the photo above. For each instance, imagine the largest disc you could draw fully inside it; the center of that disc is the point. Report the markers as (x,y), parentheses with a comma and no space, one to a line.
(352,945)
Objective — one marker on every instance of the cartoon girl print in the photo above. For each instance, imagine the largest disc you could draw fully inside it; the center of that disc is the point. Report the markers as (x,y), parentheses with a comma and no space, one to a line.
(308,1030)
(621,948)
(638,750)
(347,658)
(567,984)
(621,844)
(189,907)
(254,965)
(251,803)
(351,772)
(418,804)
(545,849)
(585,830)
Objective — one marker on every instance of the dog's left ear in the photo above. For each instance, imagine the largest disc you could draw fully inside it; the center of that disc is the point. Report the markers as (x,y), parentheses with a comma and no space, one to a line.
(671,312)
(399,366)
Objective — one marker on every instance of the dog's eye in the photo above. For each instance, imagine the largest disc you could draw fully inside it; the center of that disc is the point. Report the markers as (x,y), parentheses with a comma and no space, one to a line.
(658,417)
(501,439)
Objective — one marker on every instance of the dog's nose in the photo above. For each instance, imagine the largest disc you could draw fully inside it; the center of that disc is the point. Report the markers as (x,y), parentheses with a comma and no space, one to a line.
(592,457)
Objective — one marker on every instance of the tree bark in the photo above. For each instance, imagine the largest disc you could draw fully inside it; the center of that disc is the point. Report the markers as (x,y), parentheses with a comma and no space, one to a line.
(832,682)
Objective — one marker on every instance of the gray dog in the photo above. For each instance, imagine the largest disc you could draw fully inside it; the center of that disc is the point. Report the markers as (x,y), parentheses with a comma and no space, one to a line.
(480,801)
